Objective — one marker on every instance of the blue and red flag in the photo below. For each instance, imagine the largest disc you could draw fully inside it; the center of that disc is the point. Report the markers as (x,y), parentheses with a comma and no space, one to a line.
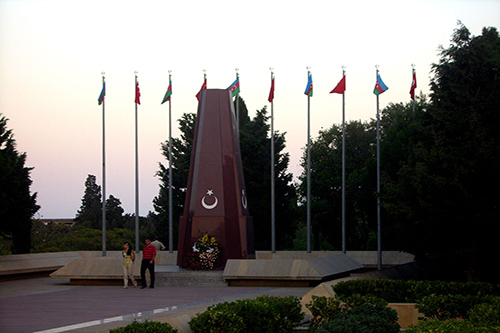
(380,86)
(100,100)
(309,88)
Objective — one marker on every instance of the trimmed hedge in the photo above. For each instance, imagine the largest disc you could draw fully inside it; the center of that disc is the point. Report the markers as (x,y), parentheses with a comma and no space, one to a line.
(366,318)
(263,314)
(410,291)
(145,327)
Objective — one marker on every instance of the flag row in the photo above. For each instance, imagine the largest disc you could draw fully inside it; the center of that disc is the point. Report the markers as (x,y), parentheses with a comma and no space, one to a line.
(340,88)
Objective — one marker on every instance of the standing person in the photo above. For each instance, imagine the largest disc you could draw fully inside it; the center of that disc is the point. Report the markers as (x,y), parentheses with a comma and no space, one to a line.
(128,265)
(148,263)
(159,245)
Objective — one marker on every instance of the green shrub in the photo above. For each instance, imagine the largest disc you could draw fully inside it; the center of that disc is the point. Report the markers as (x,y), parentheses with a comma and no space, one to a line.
(366,318)
(323,309)
(486,313)
(145,327)
(459,326)
(409,291)
(444,307)
(264,314)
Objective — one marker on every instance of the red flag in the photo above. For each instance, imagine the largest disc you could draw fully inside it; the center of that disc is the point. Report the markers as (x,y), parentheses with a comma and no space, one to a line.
(203,87)
(271,92)
(340,88)
(137,93)
(413,86)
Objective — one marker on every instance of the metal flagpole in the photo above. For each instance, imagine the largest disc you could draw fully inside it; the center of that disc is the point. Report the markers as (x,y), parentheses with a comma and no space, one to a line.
(379,230)
(273,201)
(136,175)
(103,170)
(412,77)
(170,208)
(237,107)
(308,207)
(343,167)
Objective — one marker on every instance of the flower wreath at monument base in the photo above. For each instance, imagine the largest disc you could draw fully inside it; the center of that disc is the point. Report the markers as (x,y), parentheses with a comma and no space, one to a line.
(205,255)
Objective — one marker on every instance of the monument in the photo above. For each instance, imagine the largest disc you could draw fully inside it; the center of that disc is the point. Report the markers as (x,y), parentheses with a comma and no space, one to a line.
(216,198)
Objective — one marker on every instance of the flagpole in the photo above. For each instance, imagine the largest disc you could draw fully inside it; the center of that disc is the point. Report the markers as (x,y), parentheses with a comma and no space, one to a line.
(343,167)
(170,200)
(237,106)
(136,174)
(412,77)
(103,170)
(273,201)
(308,206)
(379,229)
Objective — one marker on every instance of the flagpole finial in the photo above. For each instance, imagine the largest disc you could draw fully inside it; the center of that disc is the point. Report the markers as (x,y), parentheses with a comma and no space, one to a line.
(377,66)
(102,73)
(412,65)
(343,67)
(169,71)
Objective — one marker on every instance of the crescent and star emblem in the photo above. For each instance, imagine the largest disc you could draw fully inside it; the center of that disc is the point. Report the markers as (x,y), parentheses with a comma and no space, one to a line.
(207,206)
(244,199)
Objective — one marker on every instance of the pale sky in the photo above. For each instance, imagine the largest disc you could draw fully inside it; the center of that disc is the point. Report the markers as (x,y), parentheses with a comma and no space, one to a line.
(52,54)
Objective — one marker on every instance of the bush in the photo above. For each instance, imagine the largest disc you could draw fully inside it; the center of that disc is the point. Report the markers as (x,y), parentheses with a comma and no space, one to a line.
(323,309)
(145,327)
(408,291)
(264,314)
(444,307)
(440,326)
(366,318)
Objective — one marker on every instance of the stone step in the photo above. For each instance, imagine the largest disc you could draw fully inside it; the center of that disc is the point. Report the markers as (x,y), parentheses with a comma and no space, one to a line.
(191,278)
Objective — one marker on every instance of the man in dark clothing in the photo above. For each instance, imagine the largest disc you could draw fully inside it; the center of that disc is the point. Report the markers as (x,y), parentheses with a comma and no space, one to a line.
(148,263)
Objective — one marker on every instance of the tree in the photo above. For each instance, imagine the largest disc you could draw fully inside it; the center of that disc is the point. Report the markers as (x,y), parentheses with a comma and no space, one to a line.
(447,187)
(90,213)
(326,187)
(255,151)
(17,204)
(114,213)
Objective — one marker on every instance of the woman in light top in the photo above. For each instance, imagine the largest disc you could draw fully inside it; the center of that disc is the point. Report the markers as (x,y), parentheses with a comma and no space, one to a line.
(128,265)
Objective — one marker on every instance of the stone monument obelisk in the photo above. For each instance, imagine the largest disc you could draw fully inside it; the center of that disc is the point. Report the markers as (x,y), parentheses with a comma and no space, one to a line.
(216,201)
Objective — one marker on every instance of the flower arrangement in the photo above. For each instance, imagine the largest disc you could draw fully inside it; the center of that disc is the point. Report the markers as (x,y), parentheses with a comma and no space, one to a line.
(205,255)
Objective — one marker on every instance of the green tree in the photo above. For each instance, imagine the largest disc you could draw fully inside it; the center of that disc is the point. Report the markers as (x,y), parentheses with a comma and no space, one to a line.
(326,187)
(114,213)
(447,187)
(90,213)
(17,204)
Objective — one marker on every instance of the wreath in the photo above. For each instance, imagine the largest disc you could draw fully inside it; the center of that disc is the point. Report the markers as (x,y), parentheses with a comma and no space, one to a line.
(205,254)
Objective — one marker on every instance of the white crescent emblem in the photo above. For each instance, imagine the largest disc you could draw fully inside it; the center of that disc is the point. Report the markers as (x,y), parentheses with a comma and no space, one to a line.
(244,199)
(207,206)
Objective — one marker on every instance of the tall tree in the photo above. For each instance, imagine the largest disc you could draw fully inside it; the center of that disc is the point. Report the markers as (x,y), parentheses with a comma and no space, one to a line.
(326,190)
(90,213)
(448,187)
(114,213)
(17,204)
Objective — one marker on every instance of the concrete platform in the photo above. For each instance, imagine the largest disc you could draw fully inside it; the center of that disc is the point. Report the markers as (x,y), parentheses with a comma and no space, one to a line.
(289,272)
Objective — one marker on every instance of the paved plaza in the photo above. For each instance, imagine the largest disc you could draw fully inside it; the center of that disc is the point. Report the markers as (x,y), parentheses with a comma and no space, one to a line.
(53,305)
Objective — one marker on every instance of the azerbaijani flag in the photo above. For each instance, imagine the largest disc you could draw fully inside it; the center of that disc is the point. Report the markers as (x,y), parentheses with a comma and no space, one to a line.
(168,93)
(340,87)
(103,93)
(271,92)
(309,88)
(380,86)
(413,86)
(137,93)
(235,87)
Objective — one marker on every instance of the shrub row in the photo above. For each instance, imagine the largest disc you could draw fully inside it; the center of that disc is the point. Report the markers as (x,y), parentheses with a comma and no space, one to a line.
(263,314)
(359,314)
(145,327)
(410,291)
